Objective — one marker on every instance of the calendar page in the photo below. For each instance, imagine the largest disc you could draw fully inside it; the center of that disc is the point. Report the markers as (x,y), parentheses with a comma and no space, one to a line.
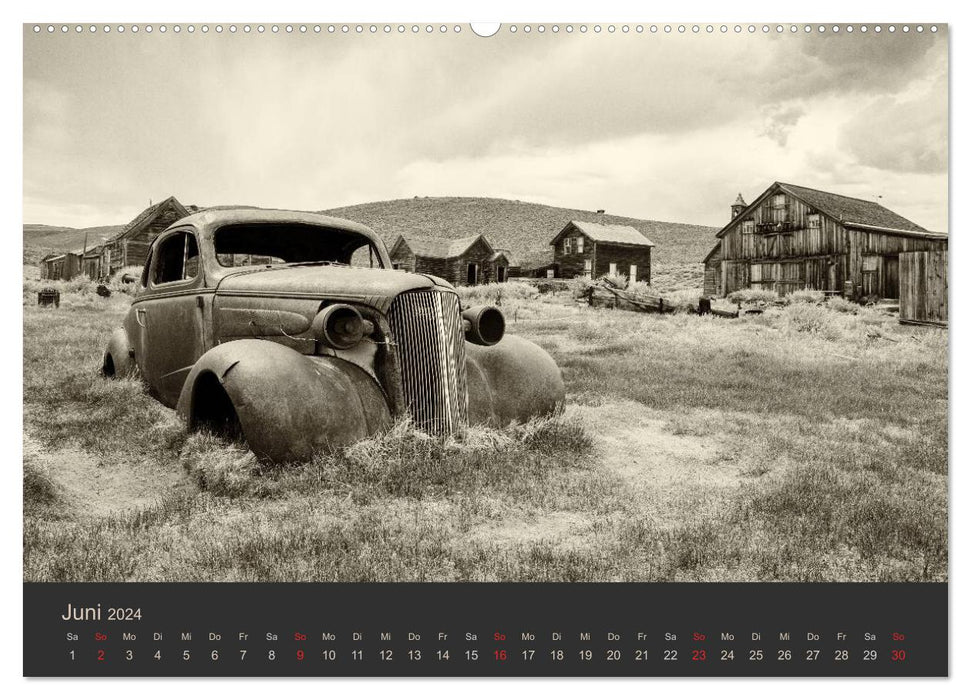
(519,349)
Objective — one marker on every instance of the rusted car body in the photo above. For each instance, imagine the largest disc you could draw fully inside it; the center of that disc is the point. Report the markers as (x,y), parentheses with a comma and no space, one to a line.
(293,329)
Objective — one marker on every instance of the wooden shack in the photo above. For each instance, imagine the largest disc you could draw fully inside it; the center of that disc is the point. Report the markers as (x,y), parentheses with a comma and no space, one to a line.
(923,287)
(130,245)
(460,261)
(583,249)
(60,266)
(794,237)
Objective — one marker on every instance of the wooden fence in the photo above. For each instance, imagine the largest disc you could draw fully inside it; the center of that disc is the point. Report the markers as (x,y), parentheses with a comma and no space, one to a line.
(923,287)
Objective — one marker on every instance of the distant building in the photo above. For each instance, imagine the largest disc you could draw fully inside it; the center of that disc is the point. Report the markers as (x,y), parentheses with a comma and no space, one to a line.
(583,249)
(60,266)
(794,237)
(460,261)
(538,265)
(130,245)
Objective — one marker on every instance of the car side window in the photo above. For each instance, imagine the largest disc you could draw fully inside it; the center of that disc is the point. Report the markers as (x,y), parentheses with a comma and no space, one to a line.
(176,259)
(365,256)
(148,266)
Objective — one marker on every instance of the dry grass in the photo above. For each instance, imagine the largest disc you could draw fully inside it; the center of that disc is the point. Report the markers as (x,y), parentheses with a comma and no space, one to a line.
(802,444)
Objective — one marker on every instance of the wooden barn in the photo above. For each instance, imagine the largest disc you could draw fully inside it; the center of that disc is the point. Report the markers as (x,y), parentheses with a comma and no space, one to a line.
(583,249)
(130,245)
(794,237)
(460,261)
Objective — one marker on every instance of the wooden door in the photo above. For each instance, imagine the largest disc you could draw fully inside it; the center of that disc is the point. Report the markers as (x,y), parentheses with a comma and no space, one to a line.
(891,277)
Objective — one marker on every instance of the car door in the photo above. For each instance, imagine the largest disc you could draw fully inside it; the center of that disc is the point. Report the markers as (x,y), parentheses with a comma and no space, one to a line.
(171,316)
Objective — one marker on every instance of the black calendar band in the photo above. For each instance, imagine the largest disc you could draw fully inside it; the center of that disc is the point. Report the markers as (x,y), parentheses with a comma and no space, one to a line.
(414,629)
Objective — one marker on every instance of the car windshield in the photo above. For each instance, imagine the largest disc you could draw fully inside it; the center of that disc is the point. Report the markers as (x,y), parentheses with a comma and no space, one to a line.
(240,245)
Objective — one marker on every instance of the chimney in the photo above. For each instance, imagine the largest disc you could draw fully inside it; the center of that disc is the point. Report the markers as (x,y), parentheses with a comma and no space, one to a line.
(603,219)
(739,206)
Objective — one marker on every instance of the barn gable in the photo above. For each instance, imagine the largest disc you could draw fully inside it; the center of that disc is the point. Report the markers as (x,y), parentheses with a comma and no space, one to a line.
(130,245)
(460,261)
(604,233)
(793,237)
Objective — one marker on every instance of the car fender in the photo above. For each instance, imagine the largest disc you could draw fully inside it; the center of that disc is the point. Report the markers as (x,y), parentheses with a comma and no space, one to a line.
(119,357)
(514,380)
(288,405)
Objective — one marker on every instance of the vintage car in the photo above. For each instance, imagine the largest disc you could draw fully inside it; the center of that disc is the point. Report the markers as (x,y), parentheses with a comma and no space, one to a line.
(292,331)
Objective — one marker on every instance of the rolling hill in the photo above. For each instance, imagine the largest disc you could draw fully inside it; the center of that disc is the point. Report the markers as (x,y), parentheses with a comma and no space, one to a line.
(523,228)
(40,239)
(526,230)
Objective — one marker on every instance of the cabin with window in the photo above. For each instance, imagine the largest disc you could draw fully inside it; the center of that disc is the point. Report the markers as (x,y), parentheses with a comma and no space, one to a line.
(460,261)
(130,245)
(794,237)
(589,250)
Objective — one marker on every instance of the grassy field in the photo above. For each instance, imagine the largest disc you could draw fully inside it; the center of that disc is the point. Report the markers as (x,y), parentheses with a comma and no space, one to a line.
(801,444)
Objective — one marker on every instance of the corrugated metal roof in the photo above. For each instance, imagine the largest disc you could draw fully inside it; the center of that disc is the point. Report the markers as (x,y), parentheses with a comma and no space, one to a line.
(611,233)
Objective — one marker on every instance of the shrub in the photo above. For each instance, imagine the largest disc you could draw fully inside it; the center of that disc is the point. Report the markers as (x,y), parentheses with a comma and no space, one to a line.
(617,280)
(579,286)
(753,296)
(80,285)
(683,301)
(643,288)
(497,292)
(117,284)
(843,305)
(806,296)
(804,318)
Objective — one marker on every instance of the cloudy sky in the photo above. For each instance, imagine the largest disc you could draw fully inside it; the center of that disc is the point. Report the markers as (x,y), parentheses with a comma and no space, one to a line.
(667,127)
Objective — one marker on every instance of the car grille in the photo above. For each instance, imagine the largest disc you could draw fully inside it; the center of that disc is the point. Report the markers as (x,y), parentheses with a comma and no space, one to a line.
(427,329)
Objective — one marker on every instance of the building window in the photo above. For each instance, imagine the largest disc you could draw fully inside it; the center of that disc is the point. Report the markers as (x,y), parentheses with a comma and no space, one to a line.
(633,273)
(778,201)
(588,269)
(613,268)
(566,246)
(748,226)
(814,221)
(549,273)
(580,244)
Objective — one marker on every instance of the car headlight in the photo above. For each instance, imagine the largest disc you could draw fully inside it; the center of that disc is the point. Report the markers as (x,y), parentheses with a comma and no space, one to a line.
(484,325)
(341,327)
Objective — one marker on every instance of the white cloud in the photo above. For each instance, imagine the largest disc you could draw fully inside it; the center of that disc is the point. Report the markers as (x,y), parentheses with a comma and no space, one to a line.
(665,127)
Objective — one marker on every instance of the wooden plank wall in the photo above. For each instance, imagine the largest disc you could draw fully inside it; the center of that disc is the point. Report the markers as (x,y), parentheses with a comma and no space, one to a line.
(816,258)
(923,287)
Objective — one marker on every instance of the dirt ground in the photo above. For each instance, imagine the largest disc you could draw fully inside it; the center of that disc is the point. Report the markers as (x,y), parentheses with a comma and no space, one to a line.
(93,488)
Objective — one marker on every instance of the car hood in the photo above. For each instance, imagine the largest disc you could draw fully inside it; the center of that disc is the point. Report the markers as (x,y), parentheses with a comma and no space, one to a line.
(375,287)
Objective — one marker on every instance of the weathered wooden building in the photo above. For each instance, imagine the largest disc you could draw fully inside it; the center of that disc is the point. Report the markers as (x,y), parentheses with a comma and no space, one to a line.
(923,287)
(60,266)
(130,245)
(584,249)
(461,261)
(794,237)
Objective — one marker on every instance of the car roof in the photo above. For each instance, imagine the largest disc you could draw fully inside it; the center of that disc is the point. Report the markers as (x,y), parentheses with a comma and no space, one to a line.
(217,217)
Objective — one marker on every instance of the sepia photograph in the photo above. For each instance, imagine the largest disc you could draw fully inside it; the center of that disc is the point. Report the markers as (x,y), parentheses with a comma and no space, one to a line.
(454,303)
